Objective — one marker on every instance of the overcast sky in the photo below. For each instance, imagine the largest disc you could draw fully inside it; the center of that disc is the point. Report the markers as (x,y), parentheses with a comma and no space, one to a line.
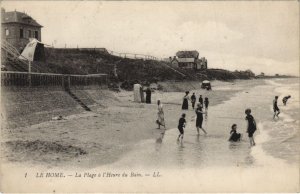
(261,36)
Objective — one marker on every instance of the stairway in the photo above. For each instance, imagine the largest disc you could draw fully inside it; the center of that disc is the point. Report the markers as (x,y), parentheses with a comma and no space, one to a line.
(78,100)
(14,60)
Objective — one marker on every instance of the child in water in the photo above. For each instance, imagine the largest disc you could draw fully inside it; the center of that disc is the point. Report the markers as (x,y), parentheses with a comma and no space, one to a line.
(285,99)
(181,126)
(251,126)
(234,136)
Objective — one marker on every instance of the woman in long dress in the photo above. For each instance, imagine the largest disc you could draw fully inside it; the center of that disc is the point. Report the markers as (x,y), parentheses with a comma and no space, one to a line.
(160,115)
(185,104)
(148,96)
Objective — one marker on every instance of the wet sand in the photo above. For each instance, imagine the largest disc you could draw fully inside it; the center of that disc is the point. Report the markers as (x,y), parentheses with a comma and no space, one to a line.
(104,135)
(122,136)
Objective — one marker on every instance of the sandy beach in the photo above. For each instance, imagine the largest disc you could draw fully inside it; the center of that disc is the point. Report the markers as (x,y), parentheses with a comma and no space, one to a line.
(95,138)
(122,135)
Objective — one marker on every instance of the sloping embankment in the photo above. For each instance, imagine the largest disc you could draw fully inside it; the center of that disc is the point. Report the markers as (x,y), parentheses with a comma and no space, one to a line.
(23,106)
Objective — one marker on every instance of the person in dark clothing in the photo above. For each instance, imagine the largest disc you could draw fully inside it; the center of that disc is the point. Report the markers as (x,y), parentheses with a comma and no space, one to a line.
(181,126)
(185,104)
(148,96)
(275,108)
(251,126)
(199,119)
(285,99)
(193,100)
(201,100)
(234,136)
(206,102)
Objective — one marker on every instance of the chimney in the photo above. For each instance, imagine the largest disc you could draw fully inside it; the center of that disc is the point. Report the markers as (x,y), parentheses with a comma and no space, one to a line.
(2,13)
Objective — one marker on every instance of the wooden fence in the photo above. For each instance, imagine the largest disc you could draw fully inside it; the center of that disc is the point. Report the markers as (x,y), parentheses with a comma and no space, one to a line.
(66,81)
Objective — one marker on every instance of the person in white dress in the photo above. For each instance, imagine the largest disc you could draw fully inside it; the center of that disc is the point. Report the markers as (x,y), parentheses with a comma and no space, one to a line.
(160,115)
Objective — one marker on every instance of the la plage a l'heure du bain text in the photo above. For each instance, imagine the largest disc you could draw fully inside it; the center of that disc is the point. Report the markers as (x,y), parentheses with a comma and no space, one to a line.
(96,175)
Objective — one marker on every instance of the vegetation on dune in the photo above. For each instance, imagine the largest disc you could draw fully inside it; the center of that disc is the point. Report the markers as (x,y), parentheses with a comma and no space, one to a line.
(77,61)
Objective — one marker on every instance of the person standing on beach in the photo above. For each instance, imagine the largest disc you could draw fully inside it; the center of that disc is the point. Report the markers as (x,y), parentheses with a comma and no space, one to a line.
(285,99)
(193,100)
(181,126)
(201,100)
(251,128)
(185,104)
(199,119)
(206,102)
(275,108)
(160,115)
(148,95)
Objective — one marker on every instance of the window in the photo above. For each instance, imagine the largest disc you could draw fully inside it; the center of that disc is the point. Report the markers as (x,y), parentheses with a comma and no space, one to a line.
(29,33)
(36,34)
(21,33)
(7,32)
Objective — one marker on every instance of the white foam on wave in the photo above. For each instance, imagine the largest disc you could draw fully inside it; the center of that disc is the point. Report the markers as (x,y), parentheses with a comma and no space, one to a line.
(274,83)
(262,158)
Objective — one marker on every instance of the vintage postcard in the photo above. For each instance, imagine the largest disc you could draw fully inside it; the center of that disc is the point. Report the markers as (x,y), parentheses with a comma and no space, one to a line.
(149,96)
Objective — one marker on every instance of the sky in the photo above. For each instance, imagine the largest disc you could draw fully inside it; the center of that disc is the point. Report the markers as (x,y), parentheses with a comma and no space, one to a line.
(234,35)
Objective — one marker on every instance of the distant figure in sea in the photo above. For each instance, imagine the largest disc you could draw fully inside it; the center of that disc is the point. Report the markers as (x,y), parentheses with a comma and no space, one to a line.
(275,108)
(160,115)
(206,102)
(251,128)
(201,100)
(148,95)
(199,119)
(185,103)
(285,99)
(181,126)
(193,100)
(234,136)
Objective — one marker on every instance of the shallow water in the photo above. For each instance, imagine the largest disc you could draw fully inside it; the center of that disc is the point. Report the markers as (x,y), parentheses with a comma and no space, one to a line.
(202,151)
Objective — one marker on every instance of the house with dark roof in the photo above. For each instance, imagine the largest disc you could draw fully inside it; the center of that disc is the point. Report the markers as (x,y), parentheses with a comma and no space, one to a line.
(18,28)
(189,60)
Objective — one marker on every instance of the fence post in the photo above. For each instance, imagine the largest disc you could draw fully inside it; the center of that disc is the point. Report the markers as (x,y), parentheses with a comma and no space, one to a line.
(69,82)
(29,73)
(62,81)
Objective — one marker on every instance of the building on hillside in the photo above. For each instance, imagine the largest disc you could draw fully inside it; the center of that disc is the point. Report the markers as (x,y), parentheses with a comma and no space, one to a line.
(189,60)
(18,28)
(261,75)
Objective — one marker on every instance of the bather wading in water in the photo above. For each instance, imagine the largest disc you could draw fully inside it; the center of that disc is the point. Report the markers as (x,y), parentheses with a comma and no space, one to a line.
(275,108)
(199,119)
(160,115)
(251,128)
(234,136)
(285,99)
(181,126)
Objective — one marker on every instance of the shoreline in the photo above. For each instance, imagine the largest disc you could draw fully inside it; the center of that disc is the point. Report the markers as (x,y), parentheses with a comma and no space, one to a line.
(248,168)
(121,122)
